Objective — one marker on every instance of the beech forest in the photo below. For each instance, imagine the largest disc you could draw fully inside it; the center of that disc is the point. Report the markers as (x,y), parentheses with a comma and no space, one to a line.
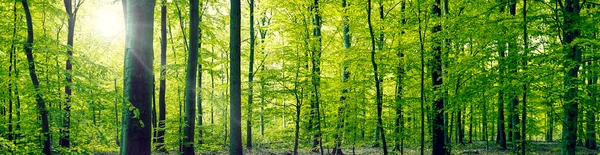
(314,77)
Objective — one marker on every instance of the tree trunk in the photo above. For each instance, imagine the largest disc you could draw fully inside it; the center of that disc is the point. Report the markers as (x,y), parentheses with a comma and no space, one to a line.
(160,146)
(138,77)
(345,75)
(439,144)
(199,77)
(422,93)
(571,106)
(525,59)
(190,78)
(66,124)
(250,78)
(315,52)
(41,105)
(501,134)
(235,85)
(379,97)
(12,60)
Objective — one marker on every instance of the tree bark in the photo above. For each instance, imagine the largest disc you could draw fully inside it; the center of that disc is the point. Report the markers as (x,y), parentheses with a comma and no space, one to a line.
(250,78)
(41,105)
(439,144)
(138,77)
(163,76)
(66,124)
(190,78)
(379,97)
(571,106)
(235,143)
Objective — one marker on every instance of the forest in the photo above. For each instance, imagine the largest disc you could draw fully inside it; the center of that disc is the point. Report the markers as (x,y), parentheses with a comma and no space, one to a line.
(299,77)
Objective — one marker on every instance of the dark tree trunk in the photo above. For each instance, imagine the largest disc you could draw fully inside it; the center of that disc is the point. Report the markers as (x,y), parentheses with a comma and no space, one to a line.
(250,79)
(379,97)
(573,56)
(199,77)
(41,105)
(12,60)
(138,77)
(235,143)
(525,59)
(66,124)
(439,144)
(190,78)
(163,73)
(590,138)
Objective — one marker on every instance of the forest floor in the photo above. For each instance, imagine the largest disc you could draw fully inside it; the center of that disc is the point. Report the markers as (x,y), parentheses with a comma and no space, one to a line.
(477,147)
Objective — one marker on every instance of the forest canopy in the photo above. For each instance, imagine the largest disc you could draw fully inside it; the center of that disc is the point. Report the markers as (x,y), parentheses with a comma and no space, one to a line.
(302,76)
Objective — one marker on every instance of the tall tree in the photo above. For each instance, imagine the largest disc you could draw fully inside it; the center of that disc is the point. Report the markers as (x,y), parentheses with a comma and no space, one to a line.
(250,78)
(501,134)
(11,81)
(400,71)
(379,96)
(190,80)
(71,9)
(199,77)
(345,75)
(163,73)
(41,105)
(524,63)
(235,142)
(573,56)
(439,144)
(138,77)
(315,60)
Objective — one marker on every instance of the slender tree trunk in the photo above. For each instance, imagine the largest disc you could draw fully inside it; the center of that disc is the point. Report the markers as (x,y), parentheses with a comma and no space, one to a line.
(590,138)
(235,85)
(163,76)
(525,59)
(315,52)
(378,90)
(345,75)
(485,128)
(138,77)
(571,106)
(250,79)
(422,93)
(199,77)
(66,124)
(11,81)
(41,105)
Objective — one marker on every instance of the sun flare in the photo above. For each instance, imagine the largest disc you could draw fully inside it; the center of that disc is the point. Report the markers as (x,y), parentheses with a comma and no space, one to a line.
(109,21)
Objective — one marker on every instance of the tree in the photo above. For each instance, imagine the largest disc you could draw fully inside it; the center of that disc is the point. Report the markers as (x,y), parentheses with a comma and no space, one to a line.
(190,78)
(501,134)
(315,60)
(379,97)
(439,144)
(72,13)
(235,144)
(138,77)
(250,78)
(163,72)
(573,62)
(345,75)
(41,105)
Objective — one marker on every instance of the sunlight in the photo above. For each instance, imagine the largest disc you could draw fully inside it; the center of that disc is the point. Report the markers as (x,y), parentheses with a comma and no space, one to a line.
(109,21)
